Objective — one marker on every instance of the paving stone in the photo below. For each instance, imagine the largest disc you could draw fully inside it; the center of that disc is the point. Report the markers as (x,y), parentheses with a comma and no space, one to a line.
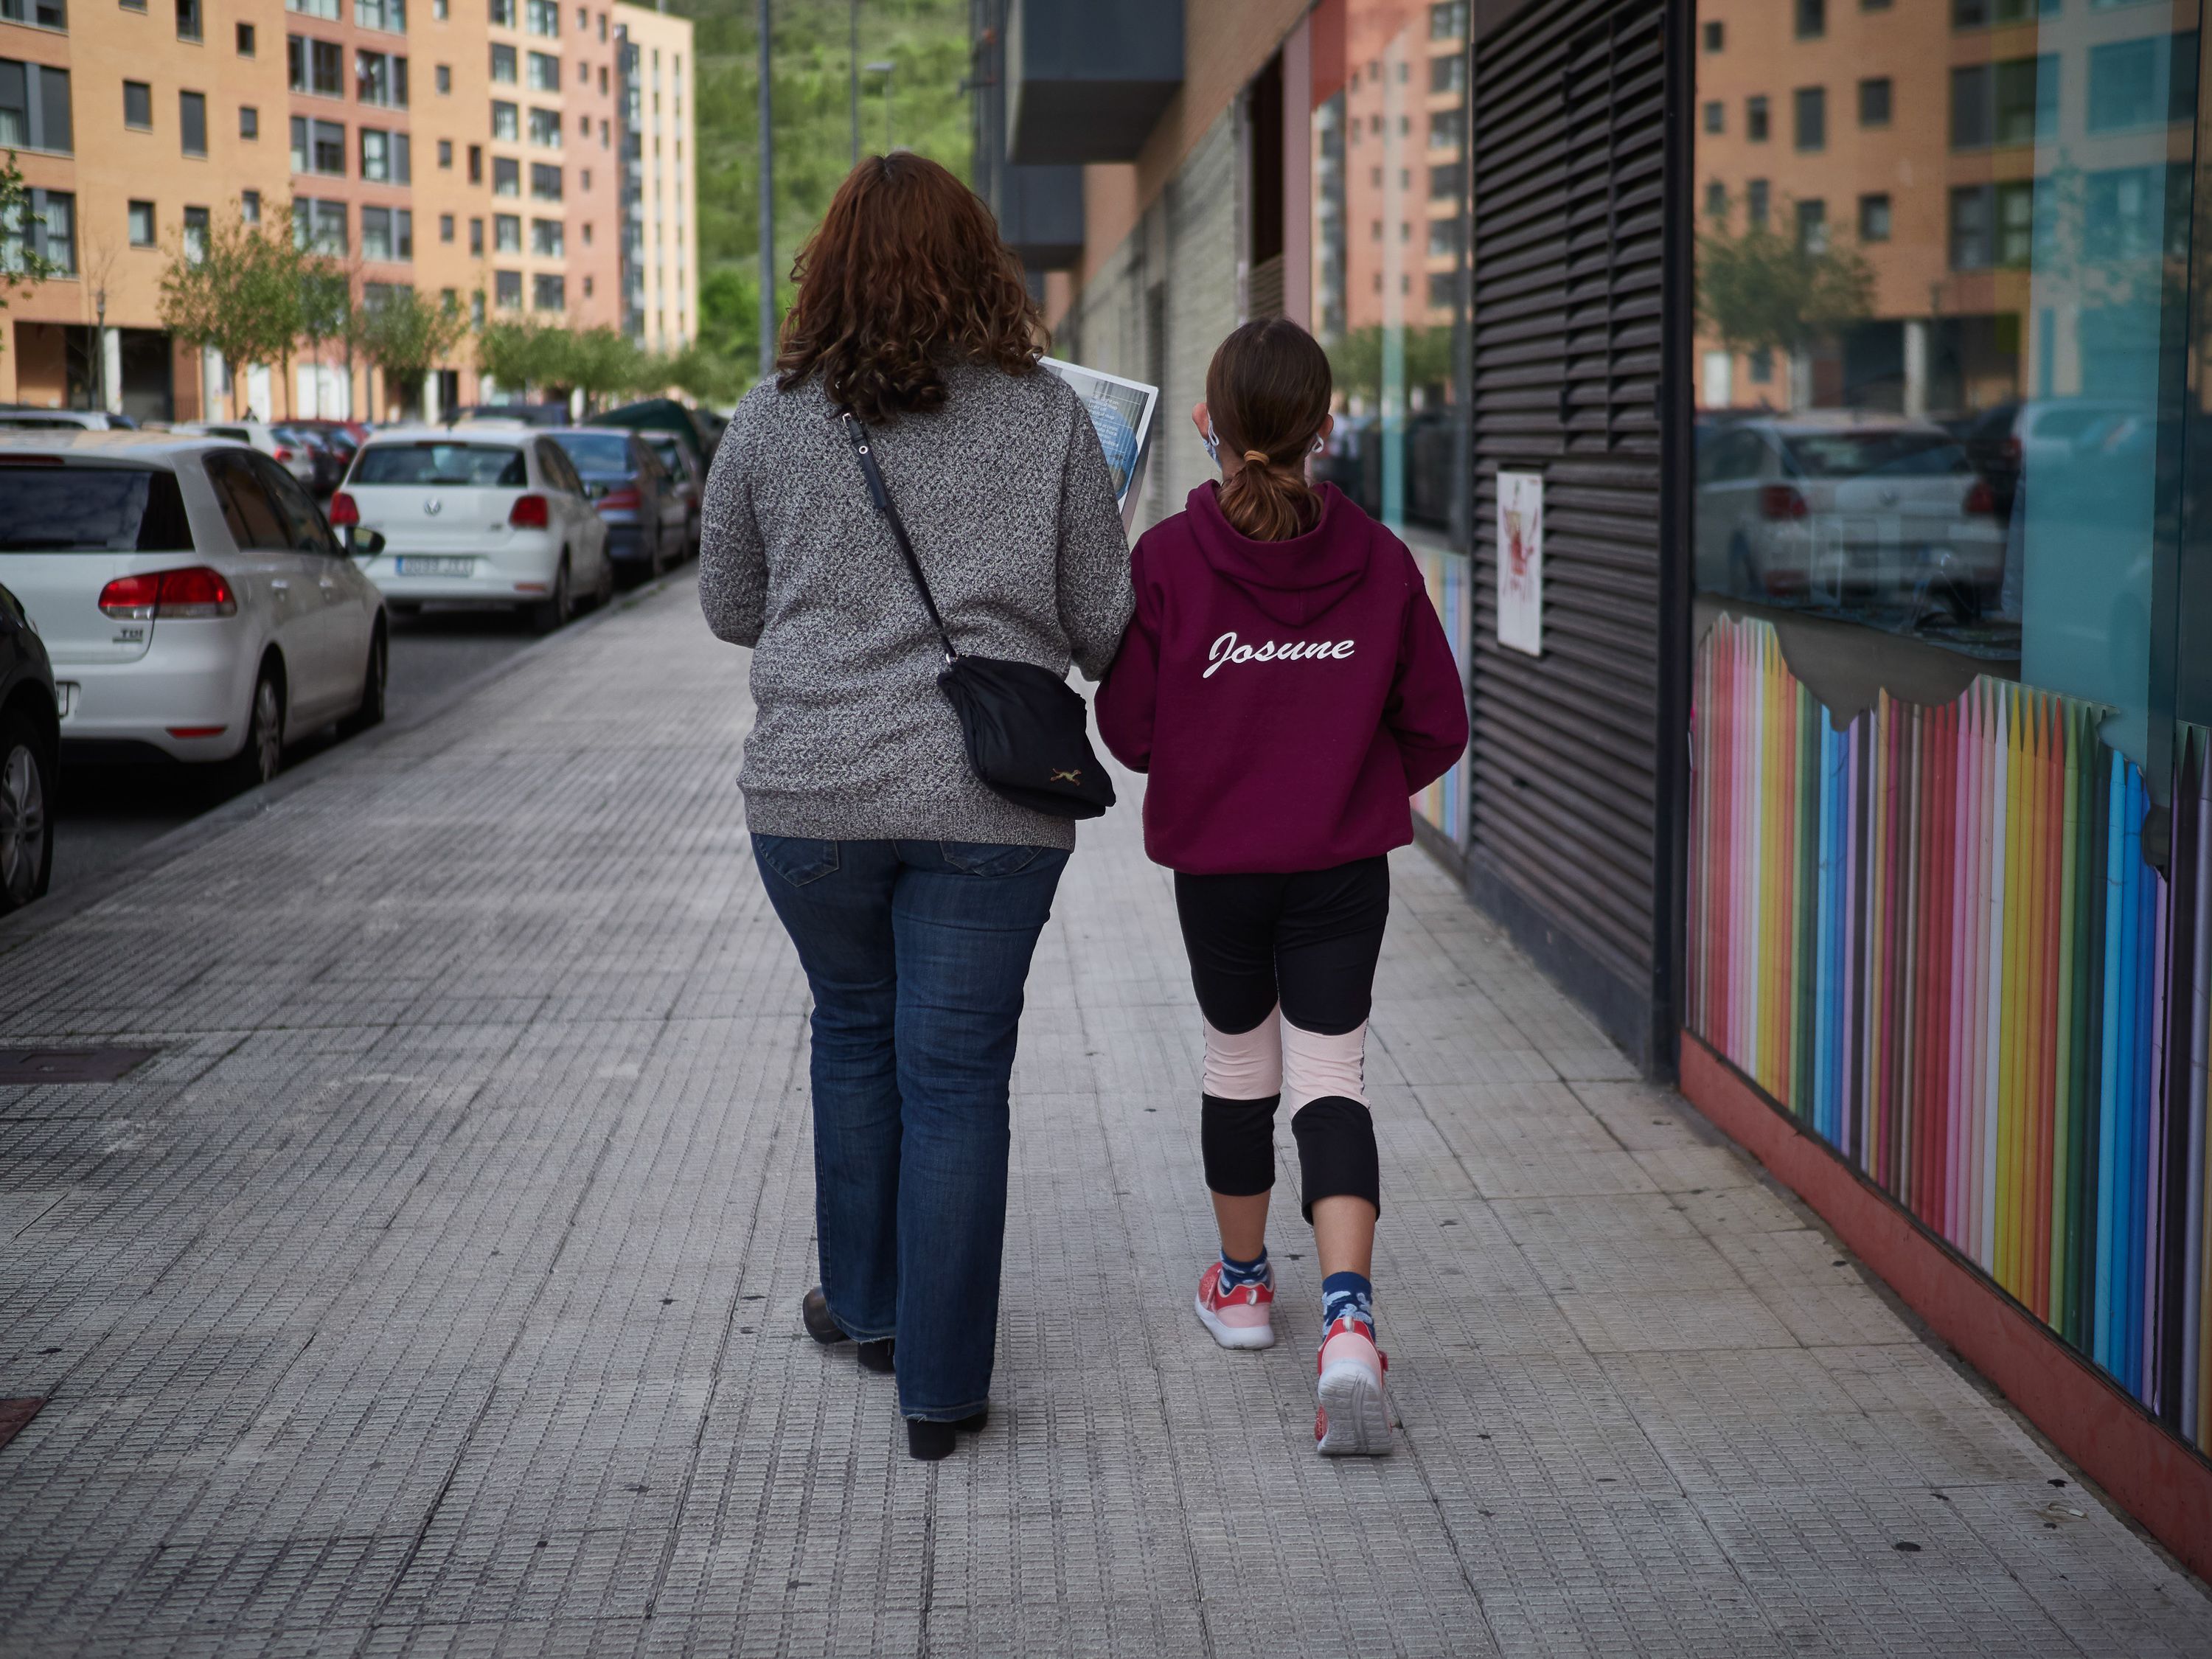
(432,1290)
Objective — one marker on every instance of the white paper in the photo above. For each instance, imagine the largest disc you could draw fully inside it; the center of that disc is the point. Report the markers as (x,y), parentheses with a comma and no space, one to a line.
(1521,561)
(1122,413)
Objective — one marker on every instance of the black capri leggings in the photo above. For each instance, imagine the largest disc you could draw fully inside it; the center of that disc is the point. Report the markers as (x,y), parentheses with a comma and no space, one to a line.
(1307,943)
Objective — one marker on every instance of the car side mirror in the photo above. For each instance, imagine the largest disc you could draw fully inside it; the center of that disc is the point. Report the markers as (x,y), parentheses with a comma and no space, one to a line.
(364,543)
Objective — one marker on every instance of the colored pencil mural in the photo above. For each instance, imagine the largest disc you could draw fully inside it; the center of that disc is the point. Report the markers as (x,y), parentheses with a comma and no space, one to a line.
(1933,938)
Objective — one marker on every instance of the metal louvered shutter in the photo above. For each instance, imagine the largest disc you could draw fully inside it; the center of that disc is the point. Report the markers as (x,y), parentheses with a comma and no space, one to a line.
(1568,175)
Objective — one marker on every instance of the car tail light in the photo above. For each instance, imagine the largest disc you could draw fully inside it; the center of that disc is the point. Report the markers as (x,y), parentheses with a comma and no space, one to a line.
(624,500)
(2010,448)
(344,511)
(195,591)
(530,513)
(283,452)
(1981,498)
(1781,502)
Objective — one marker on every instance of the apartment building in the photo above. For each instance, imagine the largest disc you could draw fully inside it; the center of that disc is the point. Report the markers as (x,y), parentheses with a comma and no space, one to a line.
(469,148)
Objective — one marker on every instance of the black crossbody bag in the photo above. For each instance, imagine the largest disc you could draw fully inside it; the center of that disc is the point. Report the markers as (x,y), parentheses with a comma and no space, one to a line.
(1025,727)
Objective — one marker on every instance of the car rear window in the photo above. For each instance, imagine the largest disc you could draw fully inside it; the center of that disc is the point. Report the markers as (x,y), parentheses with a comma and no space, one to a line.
(598,452)
(1899,454)
(487,466)
(91,509)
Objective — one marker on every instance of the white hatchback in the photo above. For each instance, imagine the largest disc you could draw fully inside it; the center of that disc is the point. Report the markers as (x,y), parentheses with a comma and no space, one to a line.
(476,515)
(194,601)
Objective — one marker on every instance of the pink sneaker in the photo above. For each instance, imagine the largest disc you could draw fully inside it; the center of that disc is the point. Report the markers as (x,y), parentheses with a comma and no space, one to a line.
(1242,1318)
(1353,1420)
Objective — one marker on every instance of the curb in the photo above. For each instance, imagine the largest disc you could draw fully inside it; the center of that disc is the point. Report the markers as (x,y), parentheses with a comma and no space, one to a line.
(37,918)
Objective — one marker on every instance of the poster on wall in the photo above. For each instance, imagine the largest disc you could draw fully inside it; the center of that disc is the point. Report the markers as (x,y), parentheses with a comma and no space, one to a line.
(1521,561)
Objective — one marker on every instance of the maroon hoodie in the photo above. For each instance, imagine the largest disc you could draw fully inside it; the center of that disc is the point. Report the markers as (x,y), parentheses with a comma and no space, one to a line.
(1285,697)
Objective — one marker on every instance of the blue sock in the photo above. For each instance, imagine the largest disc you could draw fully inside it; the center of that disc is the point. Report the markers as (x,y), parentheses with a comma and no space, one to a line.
(1347,1295)
(1235,1275)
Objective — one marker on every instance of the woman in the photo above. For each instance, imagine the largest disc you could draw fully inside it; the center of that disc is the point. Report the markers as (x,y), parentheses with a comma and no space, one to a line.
(1286,685)
(915,895)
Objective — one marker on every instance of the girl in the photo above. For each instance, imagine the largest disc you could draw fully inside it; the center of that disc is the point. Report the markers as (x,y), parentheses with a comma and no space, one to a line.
(1286,685)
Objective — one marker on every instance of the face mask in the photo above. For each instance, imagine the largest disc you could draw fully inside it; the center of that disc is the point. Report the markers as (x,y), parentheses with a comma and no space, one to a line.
(1213,445)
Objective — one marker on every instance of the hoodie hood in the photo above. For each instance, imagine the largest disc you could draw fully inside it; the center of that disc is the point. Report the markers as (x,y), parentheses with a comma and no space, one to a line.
(1292,582)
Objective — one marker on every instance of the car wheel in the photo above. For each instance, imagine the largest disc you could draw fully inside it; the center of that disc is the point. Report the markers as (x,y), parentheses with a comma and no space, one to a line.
(372,685)
(548,614)
(26,823)
(262,756)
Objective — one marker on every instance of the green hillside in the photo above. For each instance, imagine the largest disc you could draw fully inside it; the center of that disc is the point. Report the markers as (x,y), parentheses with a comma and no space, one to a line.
(927,39)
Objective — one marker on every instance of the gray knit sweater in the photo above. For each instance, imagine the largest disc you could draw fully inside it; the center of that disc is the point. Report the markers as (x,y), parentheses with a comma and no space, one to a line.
(1004,493)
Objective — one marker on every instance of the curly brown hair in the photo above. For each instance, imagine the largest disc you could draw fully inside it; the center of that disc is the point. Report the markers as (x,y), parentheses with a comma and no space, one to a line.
(906,275)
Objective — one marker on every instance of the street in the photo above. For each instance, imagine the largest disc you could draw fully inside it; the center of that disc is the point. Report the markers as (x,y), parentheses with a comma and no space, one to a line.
(432,1285)
(107,813)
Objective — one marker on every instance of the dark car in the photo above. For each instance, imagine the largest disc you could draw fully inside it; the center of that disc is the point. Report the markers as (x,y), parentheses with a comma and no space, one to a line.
(554,413)
(30,758)
(689,477)
(330,460)
(635,497)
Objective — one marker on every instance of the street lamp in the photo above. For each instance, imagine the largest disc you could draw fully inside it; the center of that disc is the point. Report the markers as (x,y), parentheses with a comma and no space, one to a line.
(885,71)
(853,68)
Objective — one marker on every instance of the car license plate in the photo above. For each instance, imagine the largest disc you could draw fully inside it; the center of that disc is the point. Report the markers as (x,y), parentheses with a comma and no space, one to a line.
(420,567)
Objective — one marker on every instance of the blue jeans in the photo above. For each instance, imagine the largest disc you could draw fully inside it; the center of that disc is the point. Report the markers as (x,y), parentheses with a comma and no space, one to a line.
(917,952)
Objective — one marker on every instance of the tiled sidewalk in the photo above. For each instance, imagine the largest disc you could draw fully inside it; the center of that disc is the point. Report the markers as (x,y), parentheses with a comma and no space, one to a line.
(433,1289)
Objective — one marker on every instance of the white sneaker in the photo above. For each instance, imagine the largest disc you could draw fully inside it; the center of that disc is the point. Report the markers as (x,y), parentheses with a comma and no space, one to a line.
(1242,1318)
(1353,1420)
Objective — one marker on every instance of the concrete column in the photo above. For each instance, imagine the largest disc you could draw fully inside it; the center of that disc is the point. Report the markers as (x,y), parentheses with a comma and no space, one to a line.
(110,370)
(1916,368)
(430,410)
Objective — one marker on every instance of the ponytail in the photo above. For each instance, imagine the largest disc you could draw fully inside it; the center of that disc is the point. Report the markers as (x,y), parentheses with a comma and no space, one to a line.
(1268,391)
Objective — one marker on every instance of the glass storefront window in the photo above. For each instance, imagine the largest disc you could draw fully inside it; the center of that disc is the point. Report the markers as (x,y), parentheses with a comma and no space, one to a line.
(1931,395)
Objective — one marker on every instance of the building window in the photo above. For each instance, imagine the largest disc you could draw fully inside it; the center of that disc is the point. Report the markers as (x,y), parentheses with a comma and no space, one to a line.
(196,234)
(192,122)
(549,292)
(1813,227)
(475,164)
(249,206)
(1755,203)
(1715,116)
(389,15)
(476,237)
(1716,202)
(584,180)
(1445,182)
(316,66)
(2142,84)
(445,226)
(503,60)
(1812,19)
(2138,213)
(545,72)
(1984,14)
(188,19)
(140,219)
(384,157)
(437,9)
(505,121)
(387,233)
(545,128)
(546,239)
(587,234)
(506,233)
(1874,218)
(137,109)
(380,78)
(445,153)
(506,289)
(328,10)
(443,78)
(245,37)
(1448,20)
(1811,107)
(319,147)
(1446,75)
(502,13)
(1716,36)
(1970,207)
(1755,119)
(505,176)
(583,74)
(542,17)
(2013,102)
(1874,101)
(43,14)
(249,122)
(544,182)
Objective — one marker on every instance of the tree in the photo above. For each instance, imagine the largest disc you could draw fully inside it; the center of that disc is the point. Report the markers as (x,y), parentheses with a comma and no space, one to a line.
(519,354)
(404,335)
(20,265)
(1759,290)
(201,285)
(1356,360)
(702,373)
(326,313)
(601,361)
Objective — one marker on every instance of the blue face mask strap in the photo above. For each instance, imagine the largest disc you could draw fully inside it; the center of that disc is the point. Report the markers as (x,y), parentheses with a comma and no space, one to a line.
(1213,445)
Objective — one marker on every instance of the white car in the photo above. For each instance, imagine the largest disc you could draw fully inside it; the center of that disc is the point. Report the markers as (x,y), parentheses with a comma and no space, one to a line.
(294,458)
(49,420)
(1844,509)
(194,601)
(490,514)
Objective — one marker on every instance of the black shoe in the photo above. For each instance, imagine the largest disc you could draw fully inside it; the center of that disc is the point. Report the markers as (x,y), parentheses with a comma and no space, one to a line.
(876,1356)
(814,1309)
(927,1442)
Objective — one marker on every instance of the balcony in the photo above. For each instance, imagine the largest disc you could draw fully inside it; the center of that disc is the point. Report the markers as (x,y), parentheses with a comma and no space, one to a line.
(1085,82)
(1040,215)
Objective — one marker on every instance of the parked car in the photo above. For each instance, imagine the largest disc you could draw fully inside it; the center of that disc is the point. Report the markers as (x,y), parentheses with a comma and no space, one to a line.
(476,515)
(551,413)
(194,602)
(635,496)
(55,420)
(1846,509)
(330,462)
(2038,438)
(259,434)
(687,476)
(30,758)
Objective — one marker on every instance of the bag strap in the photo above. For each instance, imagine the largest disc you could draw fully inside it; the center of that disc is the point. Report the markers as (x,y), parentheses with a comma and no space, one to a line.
(857,435)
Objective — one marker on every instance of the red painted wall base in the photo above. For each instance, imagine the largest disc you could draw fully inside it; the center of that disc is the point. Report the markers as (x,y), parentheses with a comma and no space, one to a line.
(2148,1472)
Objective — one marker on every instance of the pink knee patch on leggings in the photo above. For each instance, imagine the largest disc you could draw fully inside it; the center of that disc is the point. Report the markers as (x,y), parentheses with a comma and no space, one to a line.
(1246,1065)
(1315,1067)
